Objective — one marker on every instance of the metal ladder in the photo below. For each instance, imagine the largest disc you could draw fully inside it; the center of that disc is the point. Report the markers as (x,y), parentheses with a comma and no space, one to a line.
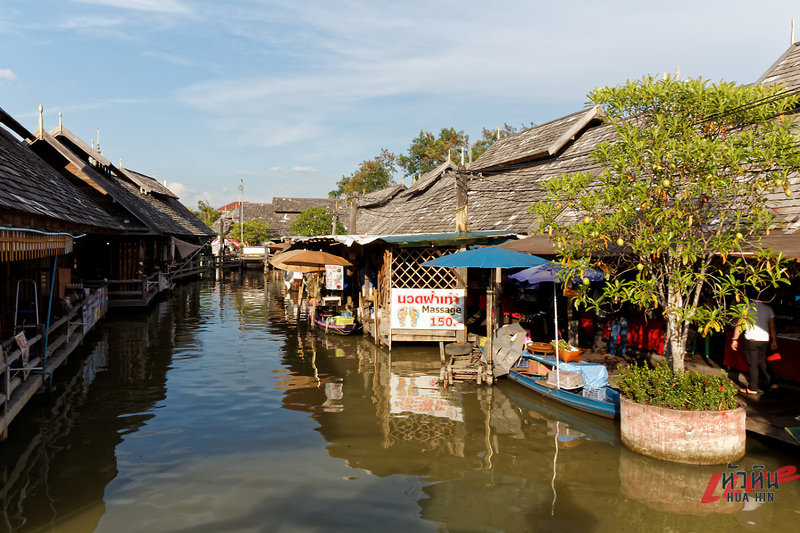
(35,310)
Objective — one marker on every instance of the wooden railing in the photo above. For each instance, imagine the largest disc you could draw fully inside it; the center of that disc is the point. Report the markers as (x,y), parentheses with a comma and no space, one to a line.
(192,267)
(21,374)
(128,292)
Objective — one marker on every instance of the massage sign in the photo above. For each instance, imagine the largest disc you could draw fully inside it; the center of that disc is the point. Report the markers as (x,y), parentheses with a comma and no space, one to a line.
(428,308)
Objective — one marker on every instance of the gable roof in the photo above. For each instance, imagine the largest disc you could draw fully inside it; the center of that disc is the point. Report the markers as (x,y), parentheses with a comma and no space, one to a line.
(424,182)
(158,213)
(538,142)
(147,184)
(298,205)
(380,196)
(786,70)
(32,187)
(499,200)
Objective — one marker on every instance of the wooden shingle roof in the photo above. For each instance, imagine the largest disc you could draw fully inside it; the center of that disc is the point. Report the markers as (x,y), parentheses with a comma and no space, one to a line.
(379,197)
(496,202)
(538,142)
(429,178)
(147,183)
(786,70)
(161,214)
(298,205)
(30,186)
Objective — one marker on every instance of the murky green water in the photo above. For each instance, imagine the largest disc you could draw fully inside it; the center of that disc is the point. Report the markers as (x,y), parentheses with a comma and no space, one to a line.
(213,412)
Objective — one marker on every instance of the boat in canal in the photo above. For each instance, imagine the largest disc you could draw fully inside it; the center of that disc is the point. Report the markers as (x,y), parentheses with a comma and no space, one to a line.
(336,324)
(599,400)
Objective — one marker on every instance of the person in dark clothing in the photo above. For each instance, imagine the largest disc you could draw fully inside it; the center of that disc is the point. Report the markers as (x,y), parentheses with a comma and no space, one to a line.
(758,336)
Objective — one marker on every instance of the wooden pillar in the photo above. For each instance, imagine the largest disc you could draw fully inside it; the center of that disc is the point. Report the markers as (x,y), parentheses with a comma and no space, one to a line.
(353,214)
(490,321)
(462,220)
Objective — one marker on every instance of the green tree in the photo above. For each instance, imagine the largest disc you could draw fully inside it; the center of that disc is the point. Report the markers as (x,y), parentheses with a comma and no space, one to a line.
(371,175)
(679,193)
(256,231)
(427,151)
(315,221)
(207,214)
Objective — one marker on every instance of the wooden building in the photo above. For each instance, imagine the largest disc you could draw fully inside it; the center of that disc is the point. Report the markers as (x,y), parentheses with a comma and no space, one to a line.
(43,314)
(161,237)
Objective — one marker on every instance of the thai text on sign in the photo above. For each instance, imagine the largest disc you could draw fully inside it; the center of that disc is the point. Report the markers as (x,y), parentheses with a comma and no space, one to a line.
(428,308)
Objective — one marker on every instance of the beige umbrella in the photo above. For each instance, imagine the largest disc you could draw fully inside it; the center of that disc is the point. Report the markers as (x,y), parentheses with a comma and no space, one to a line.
(306,260)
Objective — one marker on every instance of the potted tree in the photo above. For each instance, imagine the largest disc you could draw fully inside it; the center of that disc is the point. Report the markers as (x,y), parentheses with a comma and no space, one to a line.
(697,165)
(680,416)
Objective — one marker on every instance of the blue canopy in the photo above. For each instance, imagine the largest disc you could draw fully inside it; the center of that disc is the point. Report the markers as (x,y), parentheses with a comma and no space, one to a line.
(549,273)
(489,257)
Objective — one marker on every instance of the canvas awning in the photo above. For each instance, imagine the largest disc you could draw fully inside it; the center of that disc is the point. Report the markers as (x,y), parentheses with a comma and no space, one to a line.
(185,249)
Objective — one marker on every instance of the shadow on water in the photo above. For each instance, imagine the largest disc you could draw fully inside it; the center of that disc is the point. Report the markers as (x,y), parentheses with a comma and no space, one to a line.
(218,411)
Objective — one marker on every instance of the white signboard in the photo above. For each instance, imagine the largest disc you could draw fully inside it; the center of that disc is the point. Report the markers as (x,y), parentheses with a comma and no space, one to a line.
(428,308)
(334,277)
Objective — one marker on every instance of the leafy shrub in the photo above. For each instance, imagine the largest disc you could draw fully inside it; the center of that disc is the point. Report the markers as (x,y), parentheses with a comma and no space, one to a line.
(662,387)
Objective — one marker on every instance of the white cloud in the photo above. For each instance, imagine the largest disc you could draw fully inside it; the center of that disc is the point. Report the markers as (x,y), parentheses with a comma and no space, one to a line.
(85,23)
(158,6)
(177,187)
(275,169)
(7,75)
(303,170)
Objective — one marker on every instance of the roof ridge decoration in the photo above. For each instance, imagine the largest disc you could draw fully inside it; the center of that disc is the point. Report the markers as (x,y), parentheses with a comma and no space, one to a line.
(62,131)
(538,142)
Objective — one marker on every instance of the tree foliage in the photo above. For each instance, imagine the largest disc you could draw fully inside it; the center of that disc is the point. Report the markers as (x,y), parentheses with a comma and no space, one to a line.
(371,175)
(256,231)
(207,214)
(428,151)
(315,221)
(680,191)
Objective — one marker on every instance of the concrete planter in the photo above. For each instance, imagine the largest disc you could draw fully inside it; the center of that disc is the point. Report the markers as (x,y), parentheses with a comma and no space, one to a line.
(695,437)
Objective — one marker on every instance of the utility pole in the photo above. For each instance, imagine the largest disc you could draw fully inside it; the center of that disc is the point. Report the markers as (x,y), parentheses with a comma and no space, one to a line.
(241,210)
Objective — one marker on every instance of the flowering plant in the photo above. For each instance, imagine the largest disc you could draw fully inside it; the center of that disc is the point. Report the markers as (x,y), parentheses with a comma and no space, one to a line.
(662,387)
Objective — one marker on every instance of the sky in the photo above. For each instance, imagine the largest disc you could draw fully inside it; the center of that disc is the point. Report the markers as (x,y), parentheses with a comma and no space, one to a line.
(286,97)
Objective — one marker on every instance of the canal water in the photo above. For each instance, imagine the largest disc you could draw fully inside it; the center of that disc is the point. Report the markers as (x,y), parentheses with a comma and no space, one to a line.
(215,412)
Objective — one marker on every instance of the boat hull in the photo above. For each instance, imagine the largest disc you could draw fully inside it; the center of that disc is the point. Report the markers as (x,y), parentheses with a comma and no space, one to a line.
(327,327)
(607,407)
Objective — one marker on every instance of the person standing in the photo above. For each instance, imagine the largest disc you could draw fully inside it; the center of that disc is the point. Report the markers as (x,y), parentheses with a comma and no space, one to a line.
(758,336)
(619,327)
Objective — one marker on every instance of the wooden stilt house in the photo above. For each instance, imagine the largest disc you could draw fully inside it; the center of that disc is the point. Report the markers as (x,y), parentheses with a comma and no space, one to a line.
(43,313)
(161,237)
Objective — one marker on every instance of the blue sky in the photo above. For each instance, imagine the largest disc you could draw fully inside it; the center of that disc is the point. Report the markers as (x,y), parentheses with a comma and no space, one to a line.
(288,96)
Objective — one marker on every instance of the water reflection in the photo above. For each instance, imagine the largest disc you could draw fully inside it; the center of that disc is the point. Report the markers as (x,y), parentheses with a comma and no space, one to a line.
(219,411)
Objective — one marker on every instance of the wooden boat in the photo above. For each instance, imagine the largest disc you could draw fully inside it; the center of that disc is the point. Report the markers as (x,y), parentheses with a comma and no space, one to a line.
(602,401)
(335,324)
